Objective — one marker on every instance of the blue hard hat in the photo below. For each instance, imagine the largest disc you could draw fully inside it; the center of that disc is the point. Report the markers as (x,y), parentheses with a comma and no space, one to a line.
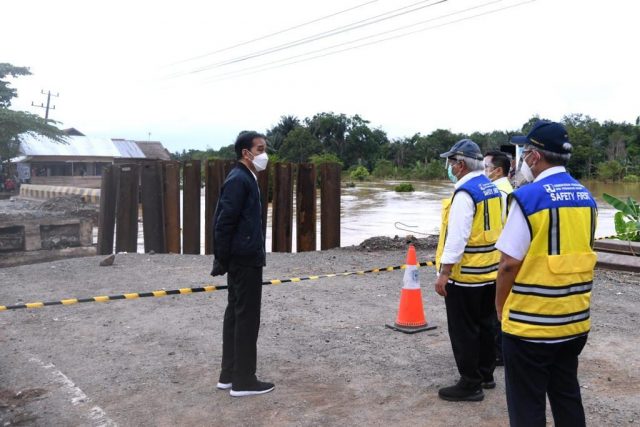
(466,148)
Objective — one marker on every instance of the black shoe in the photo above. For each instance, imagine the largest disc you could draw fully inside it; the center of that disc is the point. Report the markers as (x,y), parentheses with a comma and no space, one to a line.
(488,384)
(258,387)
(224,383)
(461,393)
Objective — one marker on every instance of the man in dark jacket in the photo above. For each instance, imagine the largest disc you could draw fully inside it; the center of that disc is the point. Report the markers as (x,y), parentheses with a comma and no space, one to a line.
(239,249)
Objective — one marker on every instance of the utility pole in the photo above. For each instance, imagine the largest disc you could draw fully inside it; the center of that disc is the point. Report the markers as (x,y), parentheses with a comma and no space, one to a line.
(49,95)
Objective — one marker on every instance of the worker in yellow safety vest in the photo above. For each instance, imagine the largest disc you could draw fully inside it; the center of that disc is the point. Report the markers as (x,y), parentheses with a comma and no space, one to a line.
(497,166)
(544,282)
(467,265)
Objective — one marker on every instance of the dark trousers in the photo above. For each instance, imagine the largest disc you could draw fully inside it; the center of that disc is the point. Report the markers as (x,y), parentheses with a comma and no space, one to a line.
(241,325)
(498,338)
(470,315)
(534,370)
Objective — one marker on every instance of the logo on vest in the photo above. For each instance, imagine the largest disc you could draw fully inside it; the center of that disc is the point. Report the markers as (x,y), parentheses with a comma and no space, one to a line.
(566,192)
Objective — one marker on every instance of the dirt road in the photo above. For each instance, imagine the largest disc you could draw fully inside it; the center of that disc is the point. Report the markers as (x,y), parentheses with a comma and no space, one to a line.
(154,361)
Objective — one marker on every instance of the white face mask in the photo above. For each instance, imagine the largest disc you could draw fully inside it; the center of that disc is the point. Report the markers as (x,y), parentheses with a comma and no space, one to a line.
(260,162)
(525,170)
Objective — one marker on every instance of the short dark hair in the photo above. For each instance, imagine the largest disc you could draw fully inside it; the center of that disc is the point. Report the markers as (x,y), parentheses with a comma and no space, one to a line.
(500,159)
(244,141)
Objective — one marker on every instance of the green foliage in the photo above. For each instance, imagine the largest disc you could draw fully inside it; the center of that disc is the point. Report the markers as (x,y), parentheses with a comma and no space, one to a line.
(352,141)
(611,170)
(383,169)
(627,219)
(631,178)
(299,145)
(277,134)
(432,170)
(320,159)
(225,153)
(7,93)
(16,124)
(405,187)
(360,173)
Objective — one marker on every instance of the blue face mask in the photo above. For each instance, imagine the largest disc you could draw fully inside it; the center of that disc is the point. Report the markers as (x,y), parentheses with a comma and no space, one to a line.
(452,177)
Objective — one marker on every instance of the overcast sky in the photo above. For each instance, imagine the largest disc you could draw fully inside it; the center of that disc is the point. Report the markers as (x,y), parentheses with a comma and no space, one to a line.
(125,69)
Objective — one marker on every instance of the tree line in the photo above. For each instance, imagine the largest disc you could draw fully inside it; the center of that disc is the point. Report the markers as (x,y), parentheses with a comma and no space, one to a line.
(607,151)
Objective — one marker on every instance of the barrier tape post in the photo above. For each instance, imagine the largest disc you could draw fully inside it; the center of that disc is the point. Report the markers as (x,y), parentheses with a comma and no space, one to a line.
(210,288)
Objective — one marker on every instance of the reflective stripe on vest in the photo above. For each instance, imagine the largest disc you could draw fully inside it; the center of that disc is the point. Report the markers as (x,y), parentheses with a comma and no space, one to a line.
(506,189)
(550,299)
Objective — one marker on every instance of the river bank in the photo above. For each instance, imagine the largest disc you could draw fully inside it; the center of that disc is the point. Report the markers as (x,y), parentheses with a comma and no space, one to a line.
(154,361)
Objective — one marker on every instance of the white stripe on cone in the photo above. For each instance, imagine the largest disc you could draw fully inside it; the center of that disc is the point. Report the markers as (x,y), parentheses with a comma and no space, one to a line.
(411,279)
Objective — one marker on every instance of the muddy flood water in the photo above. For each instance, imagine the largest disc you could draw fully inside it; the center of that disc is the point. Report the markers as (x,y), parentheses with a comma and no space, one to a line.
(372,208)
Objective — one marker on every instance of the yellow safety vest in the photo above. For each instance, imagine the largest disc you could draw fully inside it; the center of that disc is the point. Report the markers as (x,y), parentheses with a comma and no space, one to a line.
(550,299)
(505,188)
(479,263)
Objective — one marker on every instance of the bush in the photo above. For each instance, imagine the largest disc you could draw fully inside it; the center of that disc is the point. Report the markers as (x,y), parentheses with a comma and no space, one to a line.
(360,173)
(320,159)
(405,187)
(631,178)
(610,171)
(432,170)
(383,169)
(627,218)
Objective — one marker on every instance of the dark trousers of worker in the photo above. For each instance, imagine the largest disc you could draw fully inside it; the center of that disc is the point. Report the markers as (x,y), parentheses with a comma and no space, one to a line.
(534,370)
(241,325)
(470,316)
(497,325)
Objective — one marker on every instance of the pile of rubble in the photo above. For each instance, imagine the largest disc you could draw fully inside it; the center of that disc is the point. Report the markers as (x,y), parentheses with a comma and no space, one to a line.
(381,243)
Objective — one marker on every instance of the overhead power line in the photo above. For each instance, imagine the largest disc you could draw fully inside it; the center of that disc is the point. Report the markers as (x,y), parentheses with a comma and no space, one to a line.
(334,31)
(437,18)
(242,73)
(295,27)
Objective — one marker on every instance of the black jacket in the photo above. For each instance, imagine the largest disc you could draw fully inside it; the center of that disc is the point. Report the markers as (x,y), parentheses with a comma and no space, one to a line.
(237,234)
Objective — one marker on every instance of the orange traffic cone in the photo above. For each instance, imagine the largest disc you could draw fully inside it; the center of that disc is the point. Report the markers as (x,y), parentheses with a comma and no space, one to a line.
(411,312)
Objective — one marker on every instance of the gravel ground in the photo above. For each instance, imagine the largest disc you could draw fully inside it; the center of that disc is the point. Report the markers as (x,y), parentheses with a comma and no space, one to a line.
(154,361)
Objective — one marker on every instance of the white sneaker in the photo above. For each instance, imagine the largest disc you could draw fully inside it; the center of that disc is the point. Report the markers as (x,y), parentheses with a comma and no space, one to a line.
(224,386)
(258,388)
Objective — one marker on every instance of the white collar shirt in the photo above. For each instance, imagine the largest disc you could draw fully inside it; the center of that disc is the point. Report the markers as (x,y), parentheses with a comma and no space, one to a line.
(460,221)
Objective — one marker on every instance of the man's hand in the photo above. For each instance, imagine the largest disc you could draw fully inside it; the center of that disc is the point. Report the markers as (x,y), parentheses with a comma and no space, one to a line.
(218,268)
(441,284)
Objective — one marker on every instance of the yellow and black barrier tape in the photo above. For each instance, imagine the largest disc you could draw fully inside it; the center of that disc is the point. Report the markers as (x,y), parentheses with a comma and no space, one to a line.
(209,288)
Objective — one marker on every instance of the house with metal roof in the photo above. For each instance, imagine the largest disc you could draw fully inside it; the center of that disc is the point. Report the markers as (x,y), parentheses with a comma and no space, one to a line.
(79,161)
